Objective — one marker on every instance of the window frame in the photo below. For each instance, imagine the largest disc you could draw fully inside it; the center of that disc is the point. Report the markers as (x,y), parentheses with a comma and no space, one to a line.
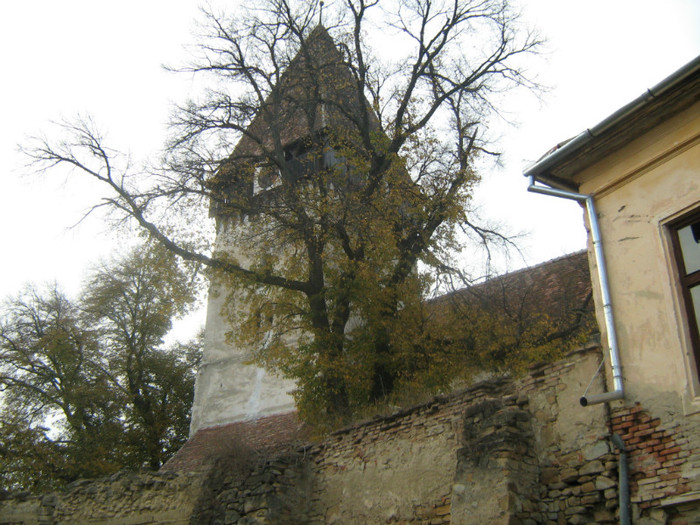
(686,281)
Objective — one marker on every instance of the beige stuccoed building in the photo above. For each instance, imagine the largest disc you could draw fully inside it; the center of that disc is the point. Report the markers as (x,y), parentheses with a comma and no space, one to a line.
(637,174)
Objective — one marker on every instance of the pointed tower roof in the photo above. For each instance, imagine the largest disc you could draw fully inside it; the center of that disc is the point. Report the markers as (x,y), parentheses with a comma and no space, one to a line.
(316,95)
(317,91)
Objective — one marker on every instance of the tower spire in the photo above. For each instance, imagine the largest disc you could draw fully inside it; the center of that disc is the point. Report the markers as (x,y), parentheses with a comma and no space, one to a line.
(320,13)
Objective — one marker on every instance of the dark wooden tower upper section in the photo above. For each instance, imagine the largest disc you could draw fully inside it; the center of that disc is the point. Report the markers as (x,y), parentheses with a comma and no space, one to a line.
(315,101)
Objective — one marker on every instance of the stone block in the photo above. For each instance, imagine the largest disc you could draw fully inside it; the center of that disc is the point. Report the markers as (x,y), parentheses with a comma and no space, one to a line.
(603,483)
(610,493)
(578,519)
(570,511)
(596,450)
(253,504)
(573,501)
(588,487)
(603,516)
(569,474)
(592,467)
(590,499)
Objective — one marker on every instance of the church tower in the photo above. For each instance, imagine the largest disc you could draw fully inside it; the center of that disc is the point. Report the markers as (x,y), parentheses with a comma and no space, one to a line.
(310,101)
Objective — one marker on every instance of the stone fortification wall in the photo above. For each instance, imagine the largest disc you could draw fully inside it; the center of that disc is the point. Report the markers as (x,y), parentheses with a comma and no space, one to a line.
(502,451)
(124,498)
(399,468)
(578,468)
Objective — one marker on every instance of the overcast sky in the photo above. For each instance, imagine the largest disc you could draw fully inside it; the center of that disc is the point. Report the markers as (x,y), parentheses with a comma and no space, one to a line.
(61,58)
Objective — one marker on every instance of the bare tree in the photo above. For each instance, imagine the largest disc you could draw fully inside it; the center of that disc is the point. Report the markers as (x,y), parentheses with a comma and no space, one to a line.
(360,163)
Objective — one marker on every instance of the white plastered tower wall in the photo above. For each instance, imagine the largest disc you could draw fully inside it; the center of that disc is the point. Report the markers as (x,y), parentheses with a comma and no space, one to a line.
(229,387)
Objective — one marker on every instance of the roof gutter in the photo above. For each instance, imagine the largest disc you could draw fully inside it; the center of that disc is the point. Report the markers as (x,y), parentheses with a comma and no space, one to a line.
(540,168)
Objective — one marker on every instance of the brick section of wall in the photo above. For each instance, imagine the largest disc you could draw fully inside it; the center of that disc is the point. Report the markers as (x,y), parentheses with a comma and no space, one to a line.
(656,455)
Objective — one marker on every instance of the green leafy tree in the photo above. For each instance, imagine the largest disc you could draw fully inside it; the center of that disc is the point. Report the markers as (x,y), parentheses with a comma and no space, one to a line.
(51,369)
(30,459)
(361,166)
(131,305)
(89,387)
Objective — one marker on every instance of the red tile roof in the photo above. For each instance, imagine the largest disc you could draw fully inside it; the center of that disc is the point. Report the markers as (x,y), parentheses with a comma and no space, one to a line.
(552,288)
(267,434)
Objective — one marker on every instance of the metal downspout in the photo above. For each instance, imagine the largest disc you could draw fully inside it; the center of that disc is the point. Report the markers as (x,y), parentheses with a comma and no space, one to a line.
(618,392)
(623,481)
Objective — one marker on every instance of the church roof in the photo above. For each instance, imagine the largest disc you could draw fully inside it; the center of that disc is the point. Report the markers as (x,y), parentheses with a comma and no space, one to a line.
(556,289)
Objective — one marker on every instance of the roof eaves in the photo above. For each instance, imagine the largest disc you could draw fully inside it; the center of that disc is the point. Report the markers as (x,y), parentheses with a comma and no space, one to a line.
(541,170)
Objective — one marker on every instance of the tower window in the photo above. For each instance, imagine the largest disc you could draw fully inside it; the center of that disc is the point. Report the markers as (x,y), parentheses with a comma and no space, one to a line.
(266,178)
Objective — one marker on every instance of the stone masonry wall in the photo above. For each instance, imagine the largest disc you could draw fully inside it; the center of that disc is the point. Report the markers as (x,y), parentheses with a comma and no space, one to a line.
(577,466)
(502,451)
(399,468)
(497,471)
(124,498)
